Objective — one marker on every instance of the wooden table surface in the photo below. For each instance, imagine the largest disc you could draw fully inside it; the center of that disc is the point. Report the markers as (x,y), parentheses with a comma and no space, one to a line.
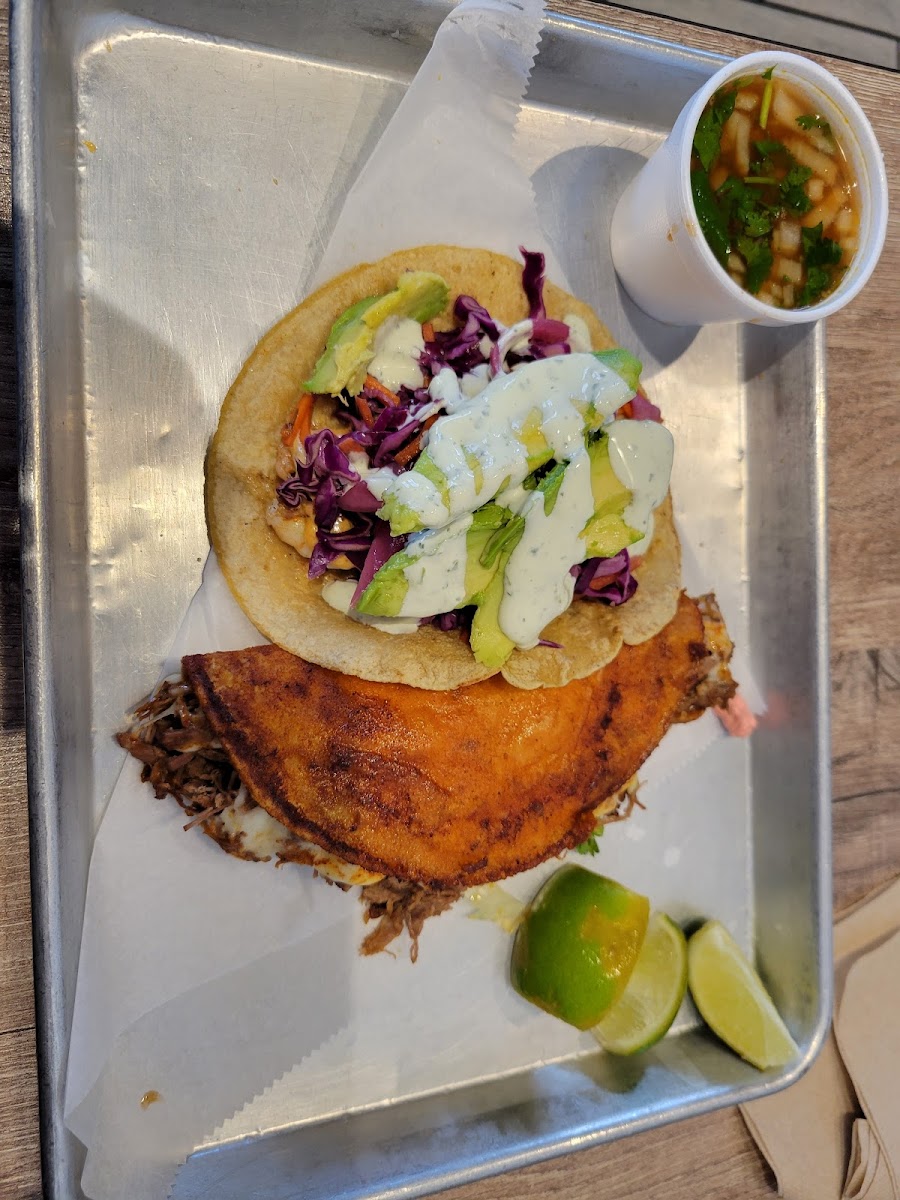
(709,1156)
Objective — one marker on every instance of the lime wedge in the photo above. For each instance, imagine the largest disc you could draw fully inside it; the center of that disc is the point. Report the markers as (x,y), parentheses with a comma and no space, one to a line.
(733,1001)
(577,945)
(653,993)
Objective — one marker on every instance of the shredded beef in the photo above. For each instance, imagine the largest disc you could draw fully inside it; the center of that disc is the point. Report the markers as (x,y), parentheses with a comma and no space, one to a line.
(717,687)
(396,905)
(182,757)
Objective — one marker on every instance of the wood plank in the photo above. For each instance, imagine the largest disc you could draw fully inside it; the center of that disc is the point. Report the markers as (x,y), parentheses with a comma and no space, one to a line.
(793,29)
(20,1165)
(865,691)
(16,987)
(881,15)
(866,844)
(704,1157)
(6,263)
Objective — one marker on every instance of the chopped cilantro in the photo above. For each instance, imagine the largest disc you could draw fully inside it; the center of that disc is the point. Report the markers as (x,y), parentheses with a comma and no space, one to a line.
(744,205)
(793,192)
(817,280)
(589,846)
(709,214)
(769,146)
(811,121)
(819,253)
(758,224)
(709,128)
(757,254)
(768,74)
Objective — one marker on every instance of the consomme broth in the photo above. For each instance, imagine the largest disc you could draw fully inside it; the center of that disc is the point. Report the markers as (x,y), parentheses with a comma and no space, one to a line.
(774,191)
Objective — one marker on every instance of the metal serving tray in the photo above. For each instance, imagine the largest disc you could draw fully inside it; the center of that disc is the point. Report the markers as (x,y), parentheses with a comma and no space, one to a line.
(178,165)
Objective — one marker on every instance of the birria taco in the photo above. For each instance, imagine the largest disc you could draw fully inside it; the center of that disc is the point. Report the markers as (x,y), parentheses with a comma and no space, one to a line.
(438,488)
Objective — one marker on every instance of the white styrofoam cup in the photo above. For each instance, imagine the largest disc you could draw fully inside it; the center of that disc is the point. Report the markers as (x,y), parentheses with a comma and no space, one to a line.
(658,248)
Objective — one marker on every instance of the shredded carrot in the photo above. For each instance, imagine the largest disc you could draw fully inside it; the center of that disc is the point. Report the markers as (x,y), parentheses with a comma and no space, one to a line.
(625,412)
(351,446)
(302,421)
(410,451)
(379,389)
(428,331)
(362,407)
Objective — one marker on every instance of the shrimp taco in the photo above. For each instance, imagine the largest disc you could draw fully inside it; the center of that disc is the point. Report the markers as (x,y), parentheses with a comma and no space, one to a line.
(439,467)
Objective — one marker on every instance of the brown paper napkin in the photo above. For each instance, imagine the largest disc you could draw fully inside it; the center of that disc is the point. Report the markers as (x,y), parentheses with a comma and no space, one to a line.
(811,1133)
(868,1177)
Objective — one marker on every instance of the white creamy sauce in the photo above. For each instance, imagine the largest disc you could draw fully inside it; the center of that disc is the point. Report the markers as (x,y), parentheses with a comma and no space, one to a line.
(444,389)
(452,393)
(339,592)
(579,335)
(437,579)
(641,454)
(478,446)
(426,497)
(475,381)
(538,585)
(516,338)
(560,395)
(398,344)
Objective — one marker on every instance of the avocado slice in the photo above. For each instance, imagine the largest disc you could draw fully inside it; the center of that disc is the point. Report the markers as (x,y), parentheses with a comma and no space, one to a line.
(390,586)
(607,532)
(531,435)
(481,542)
(403,518)
(624,363)
(386,592)
(489,643)
(350,347)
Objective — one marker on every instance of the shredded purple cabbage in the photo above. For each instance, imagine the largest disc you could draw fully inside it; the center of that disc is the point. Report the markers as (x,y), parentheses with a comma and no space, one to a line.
(353,543)
(459,618)
(460,349)
(643,409)
(606,579)
(382,547)
(326,478)
(533,283)
(394,426)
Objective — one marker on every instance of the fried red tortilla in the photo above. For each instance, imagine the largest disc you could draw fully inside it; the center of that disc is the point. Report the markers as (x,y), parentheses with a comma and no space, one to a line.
(447,789)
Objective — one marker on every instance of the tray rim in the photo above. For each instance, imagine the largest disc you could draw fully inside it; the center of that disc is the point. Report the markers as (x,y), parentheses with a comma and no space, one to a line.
(58,1149)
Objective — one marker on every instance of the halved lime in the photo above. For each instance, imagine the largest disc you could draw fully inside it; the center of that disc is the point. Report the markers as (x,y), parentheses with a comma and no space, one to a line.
(577,945)
(653,994)
(733,1001)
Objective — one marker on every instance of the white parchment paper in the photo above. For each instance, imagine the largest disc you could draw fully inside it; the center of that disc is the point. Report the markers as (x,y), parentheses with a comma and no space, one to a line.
(205,979)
